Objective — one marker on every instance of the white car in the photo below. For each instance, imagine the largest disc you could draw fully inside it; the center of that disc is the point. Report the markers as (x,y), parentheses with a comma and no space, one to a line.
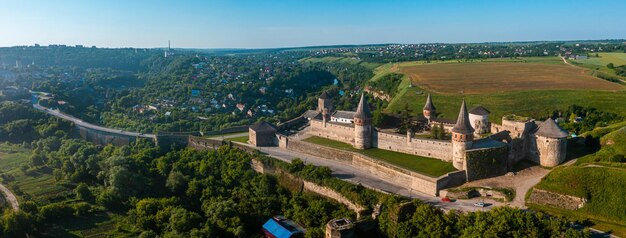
(479,204)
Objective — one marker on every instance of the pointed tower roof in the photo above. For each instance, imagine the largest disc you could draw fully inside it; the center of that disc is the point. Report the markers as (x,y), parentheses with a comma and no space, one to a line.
(480,110)
(324,95)
(550,129)
(463,125)
(363,110)
(429,104)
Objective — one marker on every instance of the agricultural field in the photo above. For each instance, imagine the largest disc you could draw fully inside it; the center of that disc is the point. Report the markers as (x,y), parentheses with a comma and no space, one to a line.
(494,77)
(423,165)
(522,93)
(604,59)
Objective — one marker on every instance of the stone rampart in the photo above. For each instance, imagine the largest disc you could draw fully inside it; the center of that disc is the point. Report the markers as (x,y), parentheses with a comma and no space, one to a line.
(544,197)
(333,131)
(393,174)
(423,147)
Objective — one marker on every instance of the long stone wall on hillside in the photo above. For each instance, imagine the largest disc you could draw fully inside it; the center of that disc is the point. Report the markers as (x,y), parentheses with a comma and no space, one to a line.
(423,147)
(333,131)
(544,197)
(396,175)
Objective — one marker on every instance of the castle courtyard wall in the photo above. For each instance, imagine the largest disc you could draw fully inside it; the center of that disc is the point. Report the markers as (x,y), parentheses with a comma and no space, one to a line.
(333,131)
(423,147)
(408,179)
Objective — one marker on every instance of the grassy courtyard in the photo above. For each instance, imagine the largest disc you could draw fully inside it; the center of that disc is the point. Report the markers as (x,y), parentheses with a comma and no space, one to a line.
(423,165)
(242,139)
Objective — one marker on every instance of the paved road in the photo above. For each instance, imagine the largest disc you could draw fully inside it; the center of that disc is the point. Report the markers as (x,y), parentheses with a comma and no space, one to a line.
(79,122)
(10,197)
(355,175)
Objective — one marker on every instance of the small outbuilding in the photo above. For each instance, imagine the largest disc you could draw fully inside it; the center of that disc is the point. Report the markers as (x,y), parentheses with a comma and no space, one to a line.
(280,227)
(262,134)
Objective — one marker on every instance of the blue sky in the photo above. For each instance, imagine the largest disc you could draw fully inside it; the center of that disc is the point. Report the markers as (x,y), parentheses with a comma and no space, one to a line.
(270,23)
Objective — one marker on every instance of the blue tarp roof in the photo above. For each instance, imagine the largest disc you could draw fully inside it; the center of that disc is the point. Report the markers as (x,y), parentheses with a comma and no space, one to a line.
(273,227)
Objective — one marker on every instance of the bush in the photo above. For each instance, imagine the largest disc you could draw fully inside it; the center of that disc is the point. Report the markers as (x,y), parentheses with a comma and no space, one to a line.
(56,211)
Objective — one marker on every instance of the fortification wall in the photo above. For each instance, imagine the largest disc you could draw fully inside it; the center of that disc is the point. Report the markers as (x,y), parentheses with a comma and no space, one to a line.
(321,151)
(544,197)
(423,147)
(330,193)
(333,131)
(486,163)
(227,131)
(387,172)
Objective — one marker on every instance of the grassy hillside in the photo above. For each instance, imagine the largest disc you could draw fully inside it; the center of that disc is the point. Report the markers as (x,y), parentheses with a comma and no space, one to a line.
(603,187)
(341,60)
(597,177)
(613,148)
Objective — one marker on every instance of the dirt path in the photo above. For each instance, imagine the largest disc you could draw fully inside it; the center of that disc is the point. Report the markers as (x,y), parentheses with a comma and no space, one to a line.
(522,181)
(10,197)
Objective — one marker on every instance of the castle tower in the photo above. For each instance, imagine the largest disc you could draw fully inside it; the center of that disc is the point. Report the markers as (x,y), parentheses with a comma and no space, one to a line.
(462,138)
(429,109)
(479,117)
(325,102)
(551,143)
(363,125)
(340,228)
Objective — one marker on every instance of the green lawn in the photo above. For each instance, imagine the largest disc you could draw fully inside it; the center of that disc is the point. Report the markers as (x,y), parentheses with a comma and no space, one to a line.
(242,139)
(226,134)
(423,165)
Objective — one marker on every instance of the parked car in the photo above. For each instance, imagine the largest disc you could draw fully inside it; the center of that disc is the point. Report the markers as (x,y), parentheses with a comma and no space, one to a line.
(479,204)
(446,199)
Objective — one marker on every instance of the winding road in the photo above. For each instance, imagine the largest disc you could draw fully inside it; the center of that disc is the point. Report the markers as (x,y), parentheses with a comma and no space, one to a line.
(10,197)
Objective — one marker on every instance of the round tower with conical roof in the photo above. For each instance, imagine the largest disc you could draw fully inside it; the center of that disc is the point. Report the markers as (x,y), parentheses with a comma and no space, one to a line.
(551,143)
(462,138)
(363,125)
(429,109)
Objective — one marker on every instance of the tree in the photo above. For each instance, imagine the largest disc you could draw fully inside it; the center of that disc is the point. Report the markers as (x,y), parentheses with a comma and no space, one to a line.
(82,192)
(610,65)
(183,221)
(176,182)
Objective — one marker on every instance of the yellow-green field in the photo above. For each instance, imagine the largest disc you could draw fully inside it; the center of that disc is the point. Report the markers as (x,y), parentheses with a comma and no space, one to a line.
(604,59)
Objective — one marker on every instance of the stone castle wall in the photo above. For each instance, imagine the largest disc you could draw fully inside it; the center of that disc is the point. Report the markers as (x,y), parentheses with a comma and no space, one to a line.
(333,131)
(410,180)
(423,147)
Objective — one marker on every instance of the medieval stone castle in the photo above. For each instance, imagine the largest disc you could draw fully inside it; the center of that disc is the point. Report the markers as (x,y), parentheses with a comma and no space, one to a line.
(478,147)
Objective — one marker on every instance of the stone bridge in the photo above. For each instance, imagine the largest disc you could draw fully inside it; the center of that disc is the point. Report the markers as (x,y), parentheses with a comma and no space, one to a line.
(98,134)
